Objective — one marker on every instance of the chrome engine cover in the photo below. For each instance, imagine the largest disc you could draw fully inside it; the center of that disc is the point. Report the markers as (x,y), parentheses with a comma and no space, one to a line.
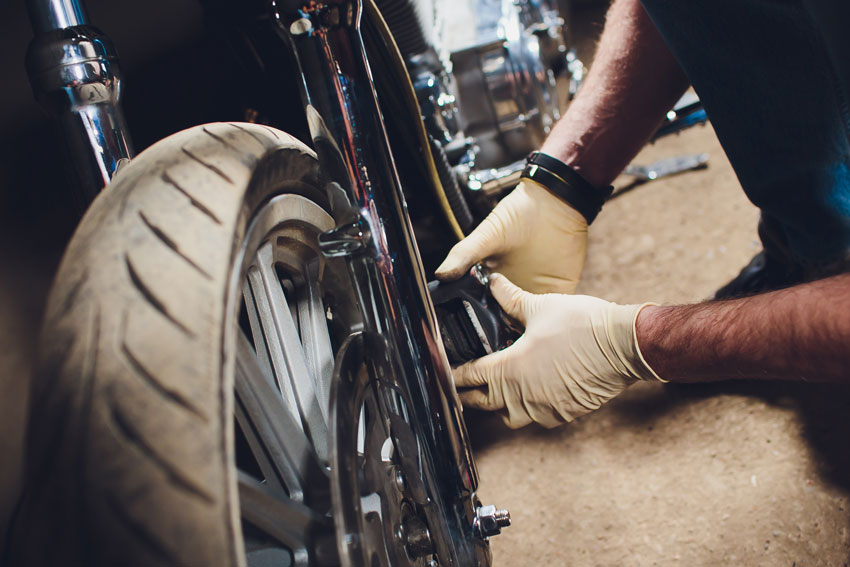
(484,76)
(507,97)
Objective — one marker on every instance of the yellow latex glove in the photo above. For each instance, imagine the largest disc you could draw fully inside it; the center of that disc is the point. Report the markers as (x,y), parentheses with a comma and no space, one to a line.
(577,352)
(532,237)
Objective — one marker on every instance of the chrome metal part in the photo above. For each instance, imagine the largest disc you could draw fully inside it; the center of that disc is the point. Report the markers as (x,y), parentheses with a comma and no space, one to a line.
(345,239)
(74,73)
(49,15)
(668,166)
(411,382)
(481,274)
(438,106)
(576,72)
(398,477)
(507,95)
(542,19)
(489,521)
(494,183)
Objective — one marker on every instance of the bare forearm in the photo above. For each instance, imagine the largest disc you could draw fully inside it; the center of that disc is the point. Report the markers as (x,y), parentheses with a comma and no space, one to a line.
(633,82)
(800,333)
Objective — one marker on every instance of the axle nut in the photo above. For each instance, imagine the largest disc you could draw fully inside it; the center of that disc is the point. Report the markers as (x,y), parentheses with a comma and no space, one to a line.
(489,521)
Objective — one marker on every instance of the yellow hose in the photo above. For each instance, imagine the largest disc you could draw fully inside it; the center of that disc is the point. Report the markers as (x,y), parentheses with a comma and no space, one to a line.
(409,96)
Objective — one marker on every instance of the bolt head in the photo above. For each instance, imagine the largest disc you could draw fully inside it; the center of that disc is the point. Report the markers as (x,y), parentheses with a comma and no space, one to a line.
(489,521)
(398,478)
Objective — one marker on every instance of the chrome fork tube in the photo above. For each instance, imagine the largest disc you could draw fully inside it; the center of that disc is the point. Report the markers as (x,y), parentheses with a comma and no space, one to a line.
(374,233)
(49,15)
(74,73)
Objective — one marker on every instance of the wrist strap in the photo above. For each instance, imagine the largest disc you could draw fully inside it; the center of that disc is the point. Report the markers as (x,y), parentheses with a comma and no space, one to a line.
(566,183)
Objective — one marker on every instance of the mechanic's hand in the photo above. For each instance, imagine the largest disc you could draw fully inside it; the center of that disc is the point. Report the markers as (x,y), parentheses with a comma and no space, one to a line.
(532,237)
(577,353)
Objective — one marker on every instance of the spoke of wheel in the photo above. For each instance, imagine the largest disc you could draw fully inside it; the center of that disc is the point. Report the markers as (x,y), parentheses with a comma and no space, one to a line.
(257,332)
(286,352)
(294,525)
(271,471)
(314,335)
(272,343)
(262,416)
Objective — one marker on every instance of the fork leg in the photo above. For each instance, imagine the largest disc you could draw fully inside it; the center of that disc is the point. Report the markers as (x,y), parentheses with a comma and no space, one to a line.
(74,73)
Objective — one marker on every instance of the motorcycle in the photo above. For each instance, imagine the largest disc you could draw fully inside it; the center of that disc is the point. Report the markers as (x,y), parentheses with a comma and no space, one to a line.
(240,359)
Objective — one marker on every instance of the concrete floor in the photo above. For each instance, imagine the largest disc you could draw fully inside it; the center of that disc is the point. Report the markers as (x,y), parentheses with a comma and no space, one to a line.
(730,473)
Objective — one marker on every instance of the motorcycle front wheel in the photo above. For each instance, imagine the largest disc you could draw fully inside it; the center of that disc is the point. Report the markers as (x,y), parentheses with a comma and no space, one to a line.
(182,412)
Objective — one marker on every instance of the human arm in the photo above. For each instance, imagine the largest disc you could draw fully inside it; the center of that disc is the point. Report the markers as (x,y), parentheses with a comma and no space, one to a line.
(798,333)
(632,84)
(578,352)
(532,237)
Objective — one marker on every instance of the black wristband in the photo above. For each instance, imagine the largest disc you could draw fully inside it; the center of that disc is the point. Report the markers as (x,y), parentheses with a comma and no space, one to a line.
(566,183)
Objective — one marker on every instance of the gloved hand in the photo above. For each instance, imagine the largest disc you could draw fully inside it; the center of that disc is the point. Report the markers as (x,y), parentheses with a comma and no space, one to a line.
(577,352)
(532,237)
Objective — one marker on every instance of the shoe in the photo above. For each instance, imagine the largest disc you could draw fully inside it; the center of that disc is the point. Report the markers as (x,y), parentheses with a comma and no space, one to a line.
(759,276)
(777,267)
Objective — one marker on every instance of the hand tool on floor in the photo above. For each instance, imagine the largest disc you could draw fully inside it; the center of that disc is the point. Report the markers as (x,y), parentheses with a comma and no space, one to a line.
(668,166)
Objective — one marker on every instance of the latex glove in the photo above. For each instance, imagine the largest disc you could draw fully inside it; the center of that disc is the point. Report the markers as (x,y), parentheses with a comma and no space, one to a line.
(577,352)
(532,237)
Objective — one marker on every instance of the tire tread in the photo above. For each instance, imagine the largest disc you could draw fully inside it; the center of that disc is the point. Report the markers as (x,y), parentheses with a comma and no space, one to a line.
(131,405)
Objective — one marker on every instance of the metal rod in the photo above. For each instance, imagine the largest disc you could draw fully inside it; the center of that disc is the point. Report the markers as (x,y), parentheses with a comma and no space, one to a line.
(74,73)
(49,15)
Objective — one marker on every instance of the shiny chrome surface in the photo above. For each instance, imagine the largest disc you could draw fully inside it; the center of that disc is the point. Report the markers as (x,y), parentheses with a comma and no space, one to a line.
(667,166)
(542,19)
(489,521)
(507,96)
(495,182)
(49,15)
(348,134)
(74,73)
(576,72)
(438,106)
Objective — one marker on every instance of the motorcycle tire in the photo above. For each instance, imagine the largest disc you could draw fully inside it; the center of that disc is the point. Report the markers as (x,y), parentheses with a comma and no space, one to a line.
(132,449)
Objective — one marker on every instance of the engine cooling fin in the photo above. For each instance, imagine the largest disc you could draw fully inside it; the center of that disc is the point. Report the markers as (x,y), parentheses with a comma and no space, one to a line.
(408,22)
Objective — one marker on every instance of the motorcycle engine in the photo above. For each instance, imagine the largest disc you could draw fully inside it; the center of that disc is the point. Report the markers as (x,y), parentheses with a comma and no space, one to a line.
(484,74)
(507,92)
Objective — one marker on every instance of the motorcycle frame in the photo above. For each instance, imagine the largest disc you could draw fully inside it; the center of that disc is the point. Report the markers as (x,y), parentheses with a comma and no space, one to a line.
(74,71)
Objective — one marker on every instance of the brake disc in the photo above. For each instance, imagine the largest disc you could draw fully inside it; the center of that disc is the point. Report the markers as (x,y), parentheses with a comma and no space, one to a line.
(380,504)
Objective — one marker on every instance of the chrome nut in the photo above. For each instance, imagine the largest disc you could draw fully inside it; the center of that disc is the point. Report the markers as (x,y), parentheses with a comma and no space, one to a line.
(489,521)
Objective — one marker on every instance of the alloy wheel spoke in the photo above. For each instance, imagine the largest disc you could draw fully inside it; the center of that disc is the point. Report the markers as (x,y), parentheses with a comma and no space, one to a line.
(288,359)
(314,335)
(285,455)
(257,331)
(306,533)
(271,340)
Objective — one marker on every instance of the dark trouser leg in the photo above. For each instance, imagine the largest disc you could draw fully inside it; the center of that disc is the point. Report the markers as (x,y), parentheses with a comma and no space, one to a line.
(774,77)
